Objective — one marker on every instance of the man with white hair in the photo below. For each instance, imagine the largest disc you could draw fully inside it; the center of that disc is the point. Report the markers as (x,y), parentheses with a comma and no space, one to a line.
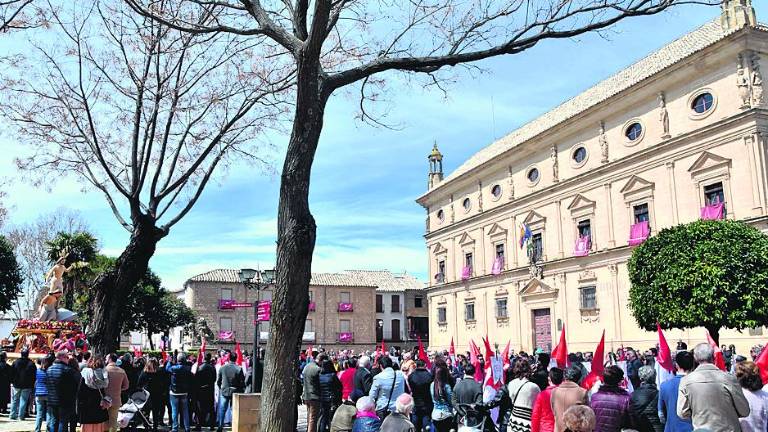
(711,398)
(399,421)
(363,378)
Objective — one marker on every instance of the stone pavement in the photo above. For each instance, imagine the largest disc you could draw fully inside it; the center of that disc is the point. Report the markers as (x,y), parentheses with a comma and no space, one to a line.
(7,425)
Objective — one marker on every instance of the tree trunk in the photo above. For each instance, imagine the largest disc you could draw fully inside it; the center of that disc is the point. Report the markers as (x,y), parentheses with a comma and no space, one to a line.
(715,333)
(296,243)
(151,342)
(113,287)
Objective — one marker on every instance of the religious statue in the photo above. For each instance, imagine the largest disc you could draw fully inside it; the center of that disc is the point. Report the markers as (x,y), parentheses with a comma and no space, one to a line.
(49,305)
(555,168)
(742,82)
(757,82)
(663,115)
(55,279)
(479,197)
(511,184)
(451,208)
(603,144)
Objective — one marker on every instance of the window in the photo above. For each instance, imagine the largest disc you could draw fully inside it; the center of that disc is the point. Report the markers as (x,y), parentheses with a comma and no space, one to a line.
(308,325)
(703,103)
(532,175)
(418,302)
(500,250)
(345,297)
(501,308)
(395,330)
(496,191)
(579,155)
(311,296)
(225,324)
(537,247)
(589,298)
(442,316)
(345,326)
(467,204)
(468,259)
(395,303)
(640,212)
(584,228)
(440,271)
(469,312)
(634,131)
(713,194)
(440,215)
(226,293)
(379,303)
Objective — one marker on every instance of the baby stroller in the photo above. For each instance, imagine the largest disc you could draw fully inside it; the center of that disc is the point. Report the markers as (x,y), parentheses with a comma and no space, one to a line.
(474,418)
(127,418)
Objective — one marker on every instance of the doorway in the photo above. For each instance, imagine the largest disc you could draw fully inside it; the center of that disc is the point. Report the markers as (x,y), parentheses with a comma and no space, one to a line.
(542,329)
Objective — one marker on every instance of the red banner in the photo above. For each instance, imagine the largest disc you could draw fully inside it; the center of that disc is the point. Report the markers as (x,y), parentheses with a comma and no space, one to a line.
(264,310)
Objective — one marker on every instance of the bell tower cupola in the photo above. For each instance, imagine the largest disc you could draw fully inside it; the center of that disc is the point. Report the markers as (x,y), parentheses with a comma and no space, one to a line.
(435,166)
(737,14)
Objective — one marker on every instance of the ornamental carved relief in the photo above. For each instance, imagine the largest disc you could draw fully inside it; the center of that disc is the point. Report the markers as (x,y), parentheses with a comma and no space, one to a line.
(603,144)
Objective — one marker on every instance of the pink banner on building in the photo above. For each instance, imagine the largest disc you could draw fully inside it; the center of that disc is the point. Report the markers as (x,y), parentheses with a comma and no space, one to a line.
(639,232)
(226,304)
(582,246)
(264,310)
(312,306)
(226,335)
(498,265)
(466,273)
(345,307)
(712,212)
(346,337)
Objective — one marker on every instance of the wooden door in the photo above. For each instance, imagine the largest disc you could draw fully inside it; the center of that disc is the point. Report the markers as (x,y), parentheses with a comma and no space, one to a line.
(542,329)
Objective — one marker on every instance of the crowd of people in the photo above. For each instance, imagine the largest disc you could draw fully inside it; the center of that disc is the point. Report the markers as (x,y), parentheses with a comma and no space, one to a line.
(406,392)
(66,389)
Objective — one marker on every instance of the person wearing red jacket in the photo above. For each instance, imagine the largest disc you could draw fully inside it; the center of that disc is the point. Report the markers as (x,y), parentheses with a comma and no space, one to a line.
(542,418)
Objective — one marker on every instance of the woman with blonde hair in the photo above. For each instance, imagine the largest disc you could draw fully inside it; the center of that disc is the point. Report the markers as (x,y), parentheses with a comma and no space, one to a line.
(579,418)
(748,375)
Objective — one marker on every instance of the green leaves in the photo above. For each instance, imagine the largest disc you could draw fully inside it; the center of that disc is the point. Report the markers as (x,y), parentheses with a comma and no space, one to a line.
(10,275)
(705,273)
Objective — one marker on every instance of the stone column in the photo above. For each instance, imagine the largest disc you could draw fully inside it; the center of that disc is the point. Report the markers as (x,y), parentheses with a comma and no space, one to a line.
(559,225)
(672,191)
(614,269)
(609,212)
(752,143)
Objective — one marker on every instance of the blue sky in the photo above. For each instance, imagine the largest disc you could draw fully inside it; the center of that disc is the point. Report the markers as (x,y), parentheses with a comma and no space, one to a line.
(365,180)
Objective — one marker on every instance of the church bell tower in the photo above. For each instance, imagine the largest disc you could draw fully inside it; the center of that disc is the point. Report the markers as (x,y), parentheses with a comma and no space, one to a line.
(737,14)
(435,167)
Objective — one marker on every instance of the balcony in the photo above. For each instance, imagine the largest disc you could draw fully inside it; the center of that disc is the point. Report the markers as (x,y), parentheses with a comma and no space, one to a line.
(227,304)
(312,306)
(414,335)
(345,307)
(346,337)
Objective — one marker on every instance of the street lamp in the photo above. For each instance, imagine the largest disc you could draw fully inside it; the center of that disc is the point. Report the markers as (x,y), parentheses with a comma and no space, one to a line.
(256,279)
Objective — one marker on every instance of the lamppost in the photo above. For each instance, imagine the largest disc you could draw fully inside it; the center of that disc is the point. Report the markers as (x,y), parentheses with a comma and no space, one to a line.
(256,280)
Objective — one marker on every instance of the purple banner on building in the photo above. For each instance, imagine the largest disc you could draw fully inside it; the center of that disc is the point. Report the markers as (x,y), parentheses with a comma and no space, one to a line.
(226,335)
(312,306)
(346,337)
(226,304)
(345,307)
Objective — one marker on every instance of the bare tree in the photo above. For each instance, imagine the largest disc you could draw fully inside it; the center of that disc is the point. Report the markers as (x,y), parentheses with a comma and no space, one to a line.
(30,244)
(336,43)
(19,14)
(144,114)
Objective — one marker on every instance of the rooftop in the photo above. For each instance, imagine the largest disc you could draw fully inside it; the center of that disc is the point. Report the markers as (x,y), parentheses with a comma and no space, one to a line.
(382,279)
(668,55)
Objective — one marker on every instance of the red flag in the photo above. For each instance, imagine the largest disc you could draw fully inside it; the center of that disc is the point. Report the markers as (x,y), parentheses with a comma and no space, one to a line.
(719,359)
(598,366)
(383,347)
(505,355)
(623,356)
(474,361)
(762,363)
(201,353)
(423,354)
(239,353)
(560,353)
(452,350)
(664,358)
(488,352)
(165,356)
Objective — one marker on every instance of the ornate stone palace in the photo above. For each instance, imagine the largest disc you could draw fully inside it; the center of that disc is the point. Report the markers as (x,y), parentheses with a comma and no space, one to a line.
(679,135)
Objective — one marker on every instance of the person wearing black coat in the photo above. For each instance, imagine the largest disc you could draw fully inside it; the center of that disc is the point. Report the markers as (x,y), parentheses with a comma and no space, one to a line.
(205,382)
(154,380)
(91,414)
(330,395)
(643,406)
(5,382)
(62,392)
(23,372)
(363,379)
(419,382)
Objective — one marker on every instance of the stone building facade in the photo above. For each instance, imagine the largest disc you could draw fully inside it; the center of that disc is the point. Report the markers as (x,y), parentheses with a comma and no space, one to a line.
(679,135)
(329,324)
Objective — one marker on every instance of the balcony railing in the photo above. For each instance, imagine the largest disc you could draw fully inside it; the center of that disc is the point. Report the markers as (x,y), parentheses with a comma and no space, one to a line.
(418,334)
(345,307)
(346,337)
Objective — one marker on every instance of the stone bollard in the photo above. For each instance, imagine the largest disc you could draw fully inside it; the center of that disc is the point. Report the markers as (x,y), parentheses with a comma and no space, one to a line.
(246,412)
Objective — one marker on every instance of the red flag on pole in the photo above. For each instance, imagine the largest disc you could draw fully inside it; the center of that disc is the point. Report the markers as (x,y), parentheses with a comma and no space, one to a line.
(664,357)
(560,353)
(239,353)
(488,352)
(762,363)
(719,359)
(505,355)
(383,347)
(474,361)
(165,356)
(423,354)
(452,350)
(201,354)
(598,366)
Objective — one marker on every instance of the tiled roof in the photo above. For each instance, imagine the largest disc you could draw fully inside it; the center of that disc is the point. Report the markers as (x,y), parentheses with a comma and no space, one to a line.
(325,279)
(383,280)
(695,41)
(387,281)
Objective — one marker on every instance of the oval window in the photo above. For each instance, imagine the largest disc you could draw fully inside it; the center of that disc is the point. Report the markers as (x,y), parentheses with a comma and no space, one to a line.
(533,175)
(467,204)
(703,103)
(579,155)
(440,215)
(496,191)
(634,131)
